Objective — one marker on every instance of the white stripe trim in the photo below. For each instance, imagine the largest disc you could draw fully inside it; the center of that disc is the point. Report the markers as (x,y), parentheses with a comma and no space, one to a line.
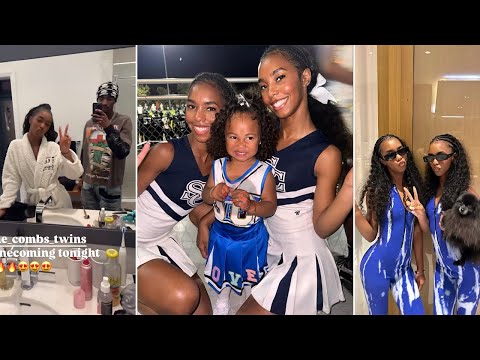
(167,201)
(294,194)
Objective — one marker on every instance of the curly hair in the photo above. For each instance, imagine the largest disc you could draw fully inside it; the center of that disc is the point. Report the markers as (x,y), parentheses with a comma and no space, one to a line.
(51,134)
(227,91)
(268,124)
(458,176)
(379,183)
(326,117)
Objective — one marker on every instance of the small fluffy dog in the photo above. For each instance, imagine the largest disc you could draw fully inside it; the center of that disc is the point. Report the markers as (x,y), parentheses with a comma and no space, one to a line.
(461,226)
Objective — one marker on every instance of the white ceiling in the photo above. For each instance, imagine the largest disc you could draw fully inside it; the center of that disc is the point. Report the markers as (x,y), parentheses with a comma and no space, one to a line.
(444,60)
(451,97)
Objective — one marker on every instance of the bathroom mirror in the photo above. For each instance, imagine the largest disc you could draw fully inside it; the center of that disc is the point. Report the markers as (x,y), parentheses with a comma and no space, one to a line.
(67,78)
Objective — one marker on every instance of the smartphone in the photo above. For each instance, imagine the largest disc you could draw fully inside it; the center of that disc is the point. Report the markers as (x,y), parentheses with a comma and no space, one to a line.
(94,107)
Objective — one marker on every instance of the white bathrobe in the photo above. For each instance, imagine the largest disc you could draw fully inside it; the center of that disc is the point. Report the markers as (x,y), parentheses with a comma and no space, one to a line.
(38,178)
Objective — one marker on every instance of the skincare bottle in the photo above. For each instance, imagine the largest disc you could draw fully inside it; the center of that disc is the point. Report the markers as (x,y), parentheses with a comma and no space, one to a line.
(86,279)
(122,259)
(105,297)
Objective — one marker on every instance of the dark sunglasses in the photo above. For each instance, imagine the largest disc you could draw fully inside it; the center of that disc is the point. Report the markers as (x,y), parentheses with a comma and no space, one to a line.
(390,156)
(439,157)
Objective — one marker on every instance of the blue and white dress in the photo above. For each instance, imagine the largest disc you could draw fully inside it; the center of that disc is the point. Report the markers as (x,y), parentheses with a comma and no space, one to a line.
(237,246)
(302,276)
(166,201)
(387,263)
(454,286)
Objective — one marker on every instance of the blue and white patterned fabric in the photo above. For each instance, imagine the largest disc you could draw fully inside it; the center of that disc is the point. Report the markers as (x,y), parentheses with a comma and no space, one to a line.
(454,286)
(387,263)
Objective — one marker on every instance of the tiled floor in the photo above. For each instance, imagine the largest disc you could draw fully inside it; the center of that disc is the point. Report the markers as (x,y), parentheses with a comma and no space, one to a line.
(186,232)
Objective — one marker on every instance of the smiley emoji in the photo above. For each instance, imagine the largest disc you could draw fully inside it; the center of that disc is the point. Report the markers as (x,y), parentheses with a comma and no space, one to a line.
(34,266)
(23,266)
(46,266)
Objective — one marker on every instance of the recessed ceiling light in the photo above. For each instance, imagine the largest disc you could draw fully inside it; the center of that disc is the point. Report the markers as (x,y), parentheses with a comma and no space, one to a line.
(427,52)
(461,77)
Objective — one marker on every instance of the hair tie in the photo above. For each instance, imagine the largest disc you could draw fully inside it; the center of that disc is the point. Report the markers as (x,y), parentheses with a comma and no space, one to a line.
(320,93)
(242,101)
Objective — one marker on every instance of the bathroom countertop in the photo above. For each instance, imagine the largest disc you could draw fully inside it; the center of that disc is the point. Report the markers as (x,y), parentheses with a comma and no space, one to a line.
(58,295)
(77,215)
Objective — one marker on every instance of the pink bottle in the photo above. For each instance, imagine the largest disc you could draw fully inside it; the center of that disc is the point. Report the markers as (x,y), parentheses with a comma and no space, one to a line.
(86,279)
(79,299)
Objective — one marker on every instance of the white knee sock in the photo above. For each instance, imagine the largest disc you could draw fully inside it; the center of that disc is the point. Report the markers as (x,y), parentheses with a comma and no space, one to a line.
(222,305)
(224,295)
(247,290)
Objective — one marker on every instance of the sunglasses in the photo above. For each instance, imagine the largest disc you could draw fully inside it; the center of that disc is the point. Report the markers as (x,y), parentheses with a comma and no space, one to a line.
(390,156)
(439,157)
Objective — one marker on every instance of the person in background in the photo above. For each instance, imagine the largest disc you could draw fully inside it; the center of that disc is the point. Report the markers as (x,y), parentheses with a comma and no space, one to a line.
(330,66)
(334,63)
(106,144)
(34,163)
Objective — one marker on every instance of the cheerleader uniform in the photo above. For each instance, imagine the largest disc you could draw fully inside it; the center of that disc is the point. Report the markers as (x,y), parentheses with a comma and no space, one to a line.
(166,201)
(237,246)
(302,276)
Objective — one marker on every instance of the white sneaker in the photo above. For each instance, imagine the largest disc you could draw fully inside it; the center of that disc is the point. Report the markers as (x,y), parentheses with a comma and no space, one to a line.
(221,307)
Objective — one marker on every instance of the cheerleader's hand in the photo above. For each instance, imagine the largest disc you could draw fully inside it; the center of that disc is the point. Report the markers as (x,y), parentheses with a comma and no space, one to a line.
(202,239)
(219,192)
(241,199)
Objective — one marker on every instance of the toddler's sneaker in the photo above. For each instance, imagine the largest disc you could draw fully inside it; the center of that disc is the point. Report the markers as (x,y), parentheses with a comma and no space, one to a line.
(221,307)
